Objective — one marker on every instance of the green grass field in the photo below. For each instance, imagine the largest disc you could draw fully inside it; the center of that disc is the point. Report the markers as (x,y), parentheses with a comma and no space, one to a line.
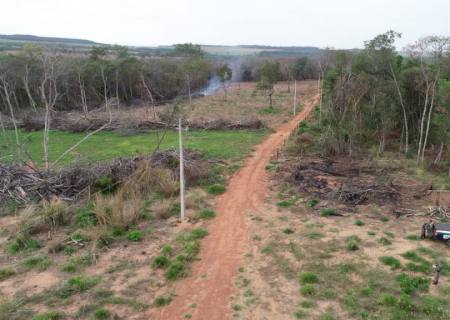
(108,145)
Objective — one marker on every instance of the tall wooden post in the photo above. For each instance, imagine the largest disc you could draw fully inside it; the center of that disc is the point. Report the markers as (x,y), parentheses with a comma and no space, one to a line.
(182,205)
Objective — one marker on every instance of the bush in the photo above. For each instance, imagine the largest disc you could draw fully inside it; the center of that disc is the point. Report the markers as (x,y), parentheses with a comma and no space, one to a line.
(359,223)
(308,277)
(308,290)
(311,203)
(194,234)
(390,261)
(207,214)
(6,273)
(135,236)
(160,262)
(105,185)
(216,189)
(326,212)
(352,243)
(176,270)
(52,315)
(86,218)
(102,314)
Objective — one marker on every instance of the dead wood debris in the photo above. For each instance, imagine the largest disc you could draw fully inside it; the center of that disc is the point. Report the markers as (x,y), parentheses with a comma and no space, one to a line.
(434,212)
(22,184)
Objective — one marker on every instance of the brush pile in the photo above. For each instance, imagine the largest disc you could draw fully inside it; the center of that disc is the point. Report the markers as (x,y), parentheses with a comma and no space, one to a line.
(23,184)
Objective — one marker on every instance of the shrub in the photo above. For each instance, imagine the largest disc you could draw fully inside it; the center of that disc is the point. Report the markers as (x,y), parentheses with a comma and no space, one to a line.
(198,233)
(311,203)
(160,262)
(176,270)
(102,314)
(161,301)
(207,214)
(216,189)
(308,277)
(86,218)
(359,223)
(135,236)
(390,261)
(411,284)
(424,267)
(326,212)
(39,263)
(384,219)
(352,243)
(308,290)
(191,249)
(6,273)
(52,315)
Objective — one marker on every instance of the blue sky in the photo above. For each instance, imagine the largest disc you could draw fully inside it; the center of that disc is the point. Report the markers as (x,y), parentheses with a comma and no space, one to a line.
(336,23)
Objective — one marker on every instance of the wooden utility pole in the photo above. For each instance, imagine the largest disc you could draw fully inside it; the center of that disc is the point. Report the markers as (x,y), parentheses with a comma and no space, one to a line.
(182,209)
(295,97)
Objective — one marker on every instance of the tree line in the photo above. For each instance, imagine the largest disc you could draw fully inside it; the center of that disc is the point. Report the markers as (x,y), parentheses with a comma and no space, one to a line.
(378,93)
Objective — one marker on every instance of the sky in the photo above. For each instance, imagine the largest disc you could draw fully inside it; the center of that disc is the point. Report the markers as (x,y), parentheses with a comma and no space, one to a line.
(324,23)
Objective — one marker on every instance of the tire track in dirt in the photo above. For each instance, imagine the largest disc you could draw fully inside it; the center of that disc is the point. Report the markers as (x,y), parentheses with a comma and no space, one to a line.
(211,282)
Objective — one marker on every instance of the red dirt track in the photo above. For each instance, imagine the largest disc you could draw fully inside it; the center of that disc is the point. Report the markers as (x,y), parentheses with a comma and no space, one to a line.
(211,283)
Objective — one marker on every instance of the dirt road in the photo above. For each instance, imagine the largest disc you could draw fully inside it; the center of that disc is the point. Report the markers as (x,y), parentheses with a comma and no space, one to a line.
(211,283)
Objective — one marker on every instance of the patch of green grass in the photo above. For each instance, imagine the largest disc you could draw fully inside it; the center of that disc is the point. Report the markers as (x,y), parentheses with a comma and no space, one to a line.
(389,234)
(388,300)
(75,264)
(326,316)
(346,267)
(390,261)
(167,250)
(384,241)
(307,304)
(299,314)
(6,273)
(207,214)
(359,223)
(38,263)
(308,277)
(135,236)
(315,235)
(52,315)
(218,144)
(326,212)
(176,270)
(77,285)
(308,290)
(384,219)
(329,294)
(288,231)
(311,203)
(352,243)
(216,189)
(236,307)
(411,284)
(102,314)
(160,262)
(161,301)
(371,233)
(285,204)
(23,243)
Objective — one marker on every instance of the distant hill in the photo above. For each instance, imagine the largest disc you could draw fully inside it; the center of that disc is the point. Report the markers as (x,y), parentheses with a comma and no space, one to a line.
(31,38)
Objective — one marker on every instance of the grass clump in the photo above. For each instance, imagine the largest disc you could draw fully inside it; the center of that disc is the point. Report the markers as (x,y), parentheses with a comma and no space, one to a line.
(359,223)
(411,284)
(176,270)
(160,262)
(135,236)
(6,273)
(77,285)
(216,189)
(207,214)
(161,301)
(308,277)
(75,264)
(352,243)
(384,241)
(299,314)
(285,204)
(308,290)
(102,314)
(288,231)
(23,243)
(166,250)
(326,212)
(52,315)
(311,203)
(390,261)
(38,263)
(315,235)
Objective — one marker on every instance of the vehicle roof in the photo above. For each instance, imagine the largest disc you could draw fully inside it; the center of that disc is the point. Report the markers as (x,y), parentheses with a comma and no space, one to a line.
(443,226)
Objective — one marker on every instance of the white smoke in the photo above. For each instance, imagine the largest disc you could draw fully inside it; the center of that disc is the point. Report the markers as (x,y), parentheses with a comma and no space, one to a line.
(214,85)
